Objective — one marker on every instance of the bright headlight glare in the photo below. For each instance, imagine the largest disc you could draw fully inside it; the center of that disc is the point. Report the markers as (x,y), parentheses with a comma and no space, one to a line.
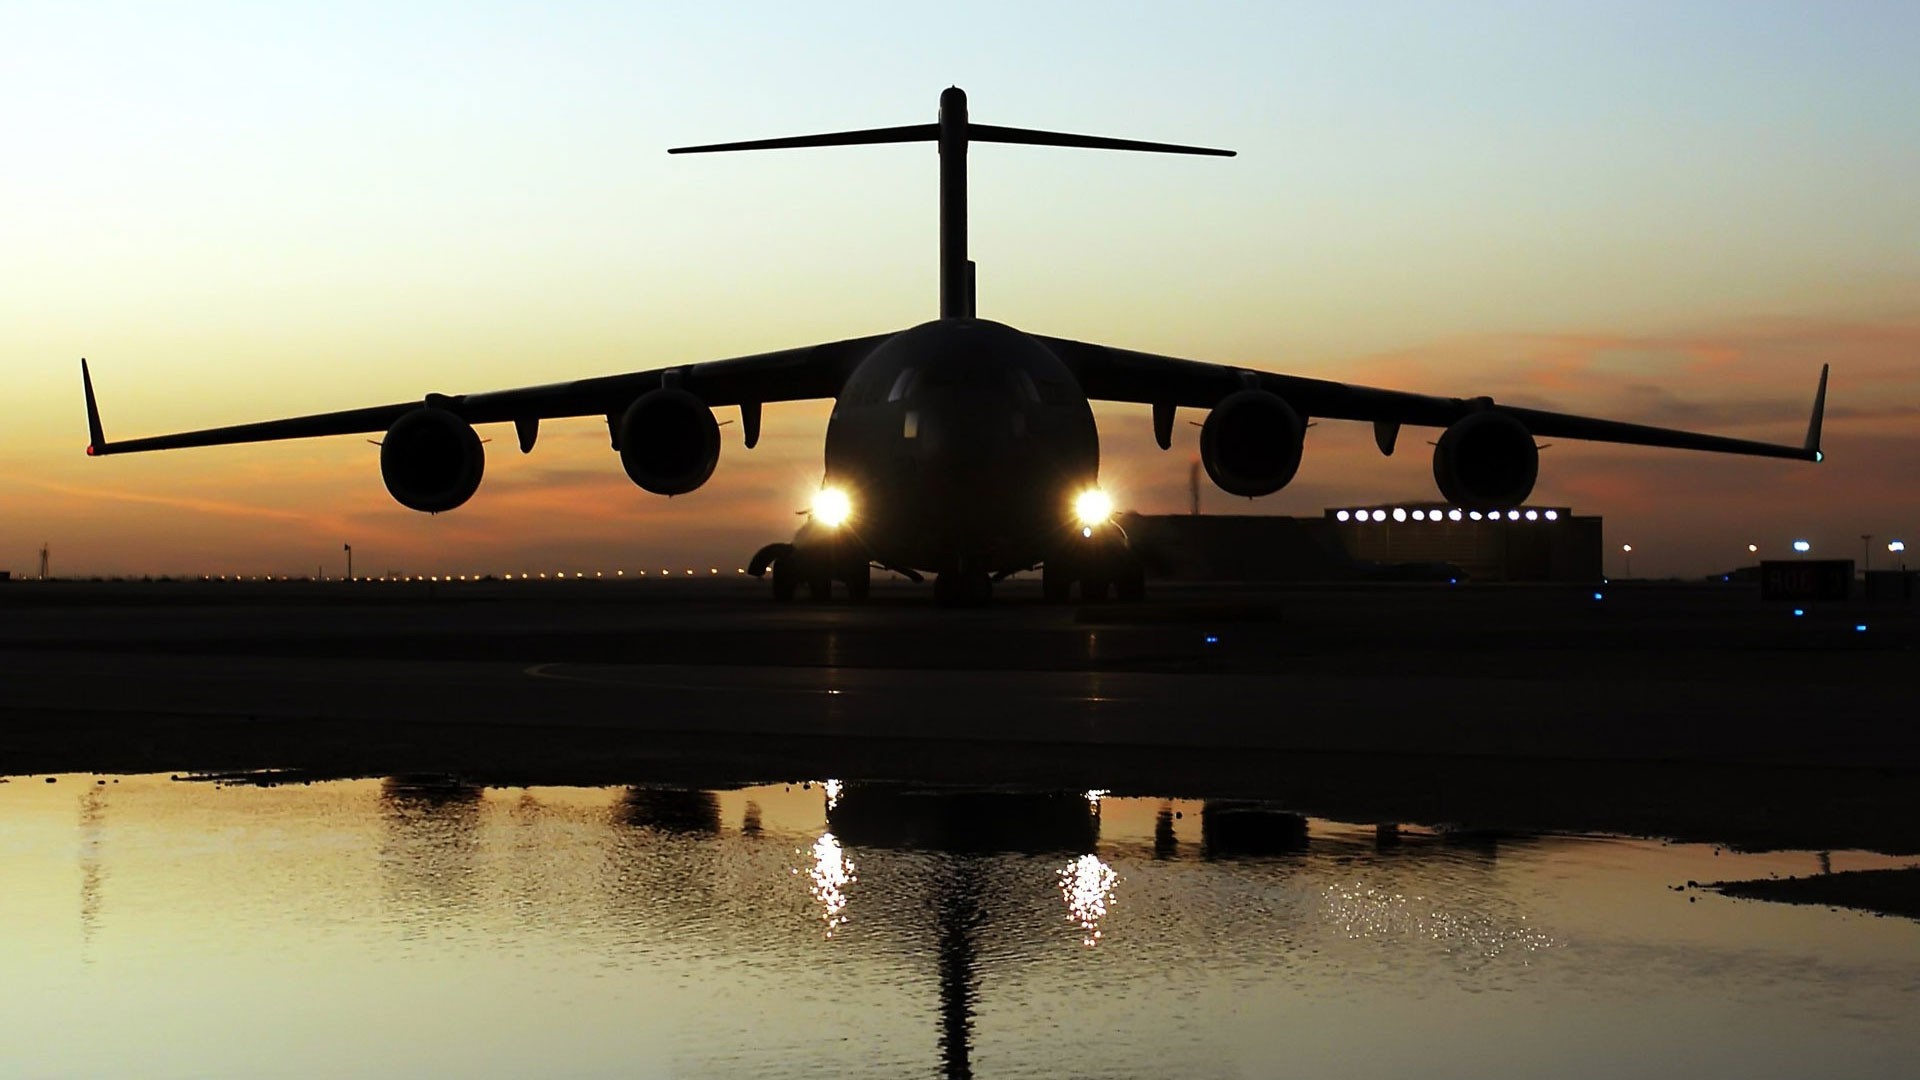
(832,507)
(1093,507)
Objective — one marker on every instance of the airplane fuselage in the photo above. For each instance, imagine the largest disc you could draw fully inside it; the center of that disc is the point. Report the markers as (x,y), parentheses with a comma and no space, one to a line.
(962,443)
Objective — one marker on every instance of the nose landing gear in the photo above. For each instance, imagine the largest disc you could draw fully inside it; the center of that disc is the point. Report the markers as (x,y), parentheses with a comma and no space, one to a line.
(963,587)
(790,566)
(1100,564)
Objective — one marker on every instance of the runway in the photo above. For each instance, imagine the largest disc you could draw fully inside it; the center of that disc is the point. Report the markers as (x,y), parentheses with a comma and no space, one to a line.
(1396,701)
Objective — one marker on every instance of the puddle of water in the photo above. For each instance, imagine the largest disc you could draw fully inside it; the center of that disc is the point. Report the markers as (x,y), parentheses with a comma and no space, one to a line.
(158,928)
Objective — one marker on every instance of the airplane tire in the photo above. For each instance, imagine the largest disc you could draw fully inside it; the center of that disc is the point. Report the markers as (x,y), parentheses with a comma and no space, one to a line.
(1093,590)
(1056,585)
(785,581)
(1132,585)
(859,582)
(820,588)
(979,588)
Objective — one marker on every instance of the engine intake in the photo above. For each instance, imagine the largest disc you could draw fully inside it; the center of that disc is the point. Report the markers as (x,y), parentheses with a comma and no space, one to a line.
(1486,461)
(1250,443)
(431,460)
(669,441)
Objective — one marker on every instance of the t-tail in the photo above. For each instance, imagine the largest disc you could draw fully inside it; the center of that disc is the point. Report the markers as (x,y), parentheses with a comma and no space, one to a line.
(953,131)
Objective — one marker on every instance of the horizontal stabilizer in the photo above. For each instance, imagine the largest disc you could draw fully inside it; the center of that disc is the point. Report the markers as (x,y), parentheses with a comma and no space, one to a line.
(909,133)
(1030,137)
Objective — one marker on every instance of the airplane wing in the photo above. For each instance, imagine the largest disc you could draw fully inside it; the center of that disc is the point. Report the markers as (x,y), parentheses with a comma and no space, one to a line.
(814,371)
(1109,374)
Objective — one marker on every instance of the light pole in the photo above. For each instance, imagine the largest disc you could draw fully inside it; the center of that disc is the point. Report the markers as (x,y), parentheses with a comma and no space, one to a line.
(349,550)
(1866,552)
(1626,552)
(1899,547)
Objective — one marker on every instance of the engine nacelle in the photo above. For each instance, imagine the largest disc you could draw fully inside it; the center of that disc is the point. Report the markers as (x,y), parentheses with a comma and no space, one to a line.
(1486,461)
(1251,443)
(431,460)
(669,441)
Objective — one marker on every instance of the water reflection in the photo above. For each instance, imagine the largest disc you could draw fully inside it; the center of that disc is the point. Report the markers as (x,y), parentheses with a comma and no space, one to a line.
(1230,830)
(671,810)
(830,876)
(93,817)
(1086,884)
(431,843)
(418,925)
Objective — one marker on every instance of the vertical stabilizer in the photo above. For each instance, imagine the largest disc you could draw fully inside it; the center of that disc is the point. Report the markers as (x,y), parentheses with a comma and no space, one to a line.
(953,132)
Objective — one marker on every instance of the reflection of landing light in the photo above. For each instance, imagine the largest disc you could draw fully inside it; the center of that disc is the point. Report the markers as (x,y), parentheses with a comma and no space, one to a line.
(1364,911)
(833,788)
(830,875)
(1086,884)
(1094,796)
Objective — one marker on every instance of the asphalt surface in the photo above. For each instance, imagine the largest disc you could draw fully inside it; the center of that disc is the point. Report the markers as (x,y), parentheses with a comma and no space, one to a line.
(1686,711)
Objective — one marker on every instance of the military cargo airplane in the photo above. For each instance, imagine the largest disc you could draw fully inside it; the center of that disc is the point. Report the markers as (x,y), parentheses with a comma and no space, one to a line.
(961,447)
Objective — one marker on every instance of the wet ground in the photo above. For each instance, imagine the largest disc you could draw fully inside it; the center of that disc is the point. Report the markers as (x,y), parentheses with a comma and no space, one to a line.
(1232,832)
(1692,712)
(422,926)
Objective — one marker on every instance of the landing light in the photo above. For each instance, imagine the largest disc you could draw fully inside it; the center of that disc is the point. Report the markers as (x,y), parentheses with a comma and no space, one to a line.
(832,507)
(1093,507)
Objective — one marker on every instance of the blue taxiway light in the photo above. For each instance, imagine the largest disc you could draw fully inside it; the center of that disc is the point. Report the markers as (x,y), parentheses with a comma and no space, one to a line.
(1214,639)
(1860,628)
(1599,596)
(1797,612)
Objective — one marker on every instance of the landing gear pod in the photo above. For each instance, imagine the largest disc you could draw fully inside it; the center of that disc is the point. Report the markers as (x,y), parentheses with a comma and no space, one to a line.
(1251,443)
(669,441)
(1486,461)
(431,460)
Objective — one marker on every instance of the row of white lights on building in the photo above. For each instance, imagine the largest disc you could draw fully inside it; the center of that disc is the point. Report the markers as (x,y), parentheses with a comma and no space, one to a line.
(561,575)
(1400,513)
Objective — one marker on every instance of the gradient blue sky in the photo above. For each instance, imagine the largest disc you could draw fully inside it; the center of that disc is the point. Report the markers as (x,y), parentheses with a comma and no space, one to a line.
(1671,214)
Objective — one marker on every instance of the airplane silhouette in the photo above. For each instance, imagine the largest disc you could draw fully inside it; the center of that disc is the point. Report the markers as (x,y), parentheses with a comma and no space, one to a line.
(960,447)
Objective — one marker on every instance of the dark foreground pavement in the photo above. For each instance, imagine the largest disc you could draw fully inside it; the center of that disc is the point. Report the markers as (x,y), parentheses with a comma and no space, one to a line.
(1689,712)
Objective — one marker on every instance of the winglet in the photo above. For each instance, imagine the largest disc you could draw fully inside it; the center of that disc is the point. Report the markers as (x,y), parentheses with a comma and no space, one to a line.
(1819,413)
(97,443)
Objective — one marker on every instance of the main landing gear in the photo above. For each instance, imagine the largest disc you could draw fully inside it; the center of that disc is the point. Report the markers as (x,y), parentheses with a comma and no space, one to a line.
(963,587)
(1100,564)
(791,568)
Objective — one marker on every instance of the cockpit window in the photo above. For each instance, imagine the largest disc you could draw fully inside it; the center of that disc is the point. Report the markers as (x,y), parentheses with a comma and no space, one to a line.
(903,384)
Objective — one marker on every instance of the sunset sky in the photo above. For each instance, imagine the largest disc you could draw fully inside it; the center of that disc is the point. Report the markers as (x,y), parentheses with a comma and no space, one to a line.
(1664,213)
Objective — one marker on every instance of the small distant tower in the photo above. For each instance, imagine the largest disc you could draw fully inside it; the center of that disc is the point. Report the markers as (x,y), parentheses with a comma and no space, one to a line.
(43,562)
(1193,488)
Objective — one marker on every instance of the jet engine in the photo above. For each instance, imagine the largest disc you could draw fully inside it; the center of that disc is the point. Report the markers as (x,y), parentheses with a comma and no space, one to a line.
(1486,461)
(431,460)
(669,441)
(1250,443)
